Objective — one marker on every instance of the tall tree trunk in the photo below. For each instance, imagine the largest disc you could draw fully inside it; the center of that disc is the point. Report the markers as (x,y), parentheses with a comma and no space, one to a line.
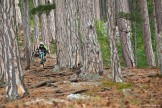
(158,15)
(103,10)
(67,35)
(92,61)
(1,50)
(147,34)
(44,30)
(51,23)
(73,39)
(36,27)
(115,64)
(26,30)
(125,33)
(97,9)
(133,8)
(18,14)
(15,86)
(157,39)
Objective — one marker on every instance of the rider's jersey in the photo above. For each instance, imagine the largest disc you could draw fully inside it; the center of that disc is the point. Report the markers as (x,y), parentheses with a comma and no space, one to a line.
(43,48)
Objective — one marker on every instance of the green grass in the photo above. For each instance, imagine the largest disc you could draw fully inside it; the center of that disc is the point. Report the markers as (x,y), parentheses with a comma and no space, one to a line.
(119,86)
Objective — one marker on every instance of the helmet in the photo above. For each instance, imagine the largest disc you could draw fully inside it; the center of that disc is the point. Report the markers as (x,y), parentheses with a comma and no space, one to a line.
(41,43)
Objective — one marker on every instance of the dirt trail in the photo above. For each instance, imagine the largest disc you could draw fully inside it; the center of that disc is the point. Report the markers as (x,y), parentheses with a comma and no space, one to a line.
(146,89)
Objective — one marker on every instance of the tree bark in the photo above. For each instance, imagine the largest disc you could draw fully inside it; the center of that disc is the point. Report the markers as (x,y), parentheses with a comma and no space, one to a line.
(103,10)
(125,33)
(97,9)
(1,49)
(36,27)
(67,35)
(158,16)
(14,85)
(51,23)
(157,40)
(115,64)
(92,61)
(44,30)
(18,14)
(147,34)
(26,30)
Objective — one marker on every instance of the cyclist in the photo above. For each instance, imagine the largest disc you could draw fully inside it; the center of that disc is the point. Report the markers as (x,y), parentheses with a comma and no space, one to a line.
(43,50)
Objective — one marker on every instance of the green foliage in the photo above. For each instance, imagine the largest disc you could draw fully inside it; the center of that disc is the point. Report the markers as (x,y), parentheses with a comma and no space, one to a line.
(117,85)
(42,8)
(102,39)
(132,17)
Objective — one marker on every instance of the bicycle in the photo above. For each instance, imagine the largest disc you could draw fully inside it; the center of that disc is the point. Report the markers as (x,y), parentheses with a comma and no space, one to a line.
(41,55)
(43,60)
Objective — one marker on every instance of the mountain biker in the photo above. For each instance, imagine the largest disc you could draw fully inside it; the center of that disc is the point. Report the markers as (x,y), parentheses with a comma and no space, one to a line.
(43,49)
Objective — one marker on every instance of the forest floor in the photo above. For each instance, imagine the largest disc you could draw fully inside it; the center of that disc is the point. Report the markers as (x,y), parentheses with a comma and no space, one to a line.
(142,89)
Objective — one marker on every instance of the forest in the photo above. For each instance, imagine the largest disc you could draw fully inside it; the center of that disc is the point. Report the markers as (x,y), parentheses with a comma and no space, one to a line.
(80,54)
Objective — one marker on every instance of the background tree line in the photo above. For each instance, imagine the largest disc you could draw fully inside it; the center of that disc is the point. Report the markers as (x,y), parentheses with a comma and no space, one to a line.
(87,34)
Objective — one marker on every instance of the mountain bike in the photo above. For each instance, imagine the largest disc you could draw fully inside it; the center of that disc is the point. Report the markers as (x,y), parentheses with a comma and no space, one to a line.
(41,55)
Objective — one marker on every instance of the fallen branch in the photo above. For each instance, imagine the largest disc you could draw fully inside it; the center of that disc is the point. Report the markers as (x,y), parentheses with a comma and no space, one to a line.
(42,84)
(59,74)
(80,91)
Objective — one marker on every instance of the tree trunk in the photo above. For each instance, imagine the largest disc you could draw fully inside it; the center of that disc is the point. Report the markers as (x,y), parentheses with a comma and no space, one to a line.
(92,61)
(103,10)
(18,14)
(125,33)
(15,86)
(157,39)
(1,49)
(51,23)
(158,16)
(26,30)
(97,9)
(44,30)
(36,27)
(67,35)
(115,64)
(147,34)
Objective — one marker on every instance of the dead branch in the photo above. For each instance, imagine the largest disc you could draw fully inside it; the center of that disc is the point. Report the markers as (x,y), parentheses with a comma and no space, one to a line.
(42,84)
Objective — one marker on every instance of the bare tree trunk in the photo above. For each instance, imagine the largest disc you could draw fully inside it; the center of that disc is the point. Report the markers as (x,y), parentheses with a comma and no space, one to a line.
(18,14)
(115,64)
(147,34)
(61,36)
(72,31)
(15,86)
(1,49)
(158,16)
(97,9)
(36,27)
(125,33)
(26,30)
(51,23)
(67,35)
(103,10)
(44,30)
(92,61)
(157,40)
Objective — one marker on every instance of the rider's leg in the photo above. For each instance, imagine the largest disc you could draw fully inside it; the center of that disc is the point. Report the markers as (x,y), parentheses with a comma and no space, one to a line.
(42,57)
